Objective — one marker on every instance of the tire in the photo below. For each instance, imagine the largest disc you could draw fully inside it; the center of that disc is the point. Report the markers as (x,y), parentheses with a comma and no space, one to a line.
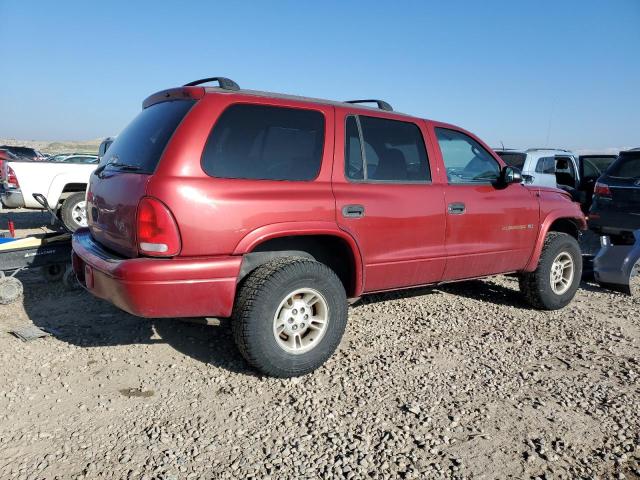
(261,311)
(53,273)
(73,213)
(538,288)
(10,290)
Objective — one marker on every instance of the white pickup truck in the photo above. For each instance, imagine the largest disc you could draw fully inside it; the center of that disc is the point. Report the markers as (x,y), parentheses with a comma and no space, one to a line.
(62,181)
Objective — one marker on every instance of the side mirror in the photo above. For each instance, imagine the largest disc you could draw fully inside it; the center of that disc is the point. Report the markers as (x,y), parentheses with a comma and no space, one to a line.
(510,175)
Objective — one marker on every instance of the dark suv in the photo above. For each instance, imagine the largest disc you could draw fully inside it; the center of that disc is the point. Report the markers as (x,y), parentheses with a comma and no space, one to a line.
(24,153)
(274,210)
(616,201)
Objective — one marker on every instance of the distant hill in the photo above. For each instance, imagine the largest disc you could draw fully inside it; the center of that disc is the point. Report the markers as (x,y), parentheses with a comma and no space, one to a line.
(84,146)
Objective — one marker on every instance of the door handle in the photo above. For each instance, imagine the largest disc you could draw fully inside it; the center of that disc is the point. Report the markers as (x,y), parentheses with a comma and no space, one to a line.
(353,211)
(457,208)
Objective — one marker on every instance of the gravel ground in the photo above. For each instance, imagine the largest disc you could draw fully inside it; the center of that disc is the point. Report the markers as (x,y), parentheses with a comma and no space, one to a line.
(462,381)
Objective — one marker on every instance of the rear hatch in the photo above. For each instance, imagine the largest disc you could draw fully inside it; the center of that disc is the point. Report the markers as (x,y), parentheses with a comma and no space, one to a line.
(623,179)
(120,181)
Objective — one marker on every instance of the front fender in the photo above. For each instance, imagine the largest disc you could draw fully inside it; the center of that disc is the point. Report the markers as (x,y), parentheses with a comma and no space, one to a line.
(572,213)
(286,229)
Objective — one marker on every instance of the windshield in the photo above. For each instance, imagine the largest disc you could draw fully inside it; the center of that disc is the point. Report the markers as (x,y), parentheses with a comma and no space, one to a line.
(626,166)
(513,159)
(140,145)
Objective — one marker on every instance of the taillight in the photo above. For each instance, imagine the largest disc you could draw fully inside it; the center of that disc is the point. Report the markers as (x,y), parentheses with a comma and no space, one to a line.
(158,233)
(602,190)
(12,180)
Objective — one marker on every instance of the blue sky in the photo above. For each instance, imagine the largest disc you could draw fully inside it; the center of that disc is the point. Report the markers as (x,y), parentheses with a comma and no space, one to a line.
(560,73)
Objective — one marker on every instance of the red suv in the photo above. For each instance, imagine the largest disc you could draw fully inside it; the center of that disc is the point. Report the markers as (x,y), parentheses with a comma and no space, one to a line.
(274,210)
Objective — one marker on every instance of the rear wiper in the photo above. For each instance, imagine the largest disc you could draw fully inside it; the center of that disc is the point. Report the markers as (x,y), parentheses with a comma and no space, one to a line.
(120,166)
(124,166)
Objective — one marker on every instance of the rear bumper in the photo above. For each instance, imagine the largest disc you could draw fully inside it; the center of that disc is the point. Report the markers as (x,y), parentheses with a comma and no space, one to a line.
(12,198)
(154,287)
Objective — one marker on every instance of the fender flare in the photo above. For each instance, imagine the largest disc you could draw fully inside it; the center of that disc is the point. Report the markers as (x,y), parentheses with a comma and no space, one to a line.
(563,213)
(59,182)
(287,229)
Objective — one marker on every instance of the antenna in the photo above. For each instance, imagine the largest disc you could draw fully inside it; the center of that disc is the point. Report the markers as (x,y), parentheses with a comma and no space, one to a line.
(549,125)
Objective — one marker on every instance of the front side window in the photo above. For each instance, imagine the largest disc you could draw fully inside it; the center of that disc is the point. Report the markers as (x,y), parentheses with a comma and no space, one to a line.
(261,142)
(379,149)
(546,165)
(590,170)
(465,160)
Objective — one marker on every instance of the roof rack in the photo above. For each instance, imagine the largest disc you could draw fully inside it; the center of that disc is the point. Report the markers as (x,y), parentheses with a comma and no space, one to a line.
(548,148)
(382,105)
(225,83)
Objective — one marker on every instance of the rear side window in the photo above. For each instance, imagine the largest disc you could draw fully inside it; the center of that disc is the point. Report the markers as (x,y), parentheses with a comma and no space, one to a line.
(394,151)
(466,161)
(546,165)
(265,143)
(626,166)
(354,163)
(140,145)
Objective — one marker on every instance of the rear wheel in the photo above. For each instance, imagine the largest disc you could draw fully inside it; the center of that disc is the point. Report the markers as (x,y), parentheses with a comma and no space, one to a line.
(289,317)
(554,283)
(74,212)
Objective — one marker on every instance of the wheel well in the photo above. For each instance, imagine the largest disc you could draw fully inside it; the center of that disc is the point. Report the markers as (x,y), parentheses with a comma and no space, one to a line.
(69,189)
(565,225)
(328,249)
(74,187)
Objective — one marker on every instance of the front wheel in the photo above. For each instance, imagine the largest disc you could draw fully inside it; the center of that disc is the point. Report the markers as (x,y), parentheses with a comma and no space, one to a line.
(74,211)
(554,283)
(289,317)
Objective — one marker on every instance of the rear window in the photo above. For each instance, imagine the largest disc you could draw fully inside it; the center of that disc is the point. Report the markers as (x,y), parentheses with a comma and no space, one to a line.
(513,159)
(140,145)
(627,166)
(265,143)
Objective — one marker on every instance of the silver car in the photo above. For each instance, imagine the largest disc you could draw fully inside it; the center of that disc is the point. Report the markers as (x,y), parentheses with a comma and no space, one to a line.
(545,166)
